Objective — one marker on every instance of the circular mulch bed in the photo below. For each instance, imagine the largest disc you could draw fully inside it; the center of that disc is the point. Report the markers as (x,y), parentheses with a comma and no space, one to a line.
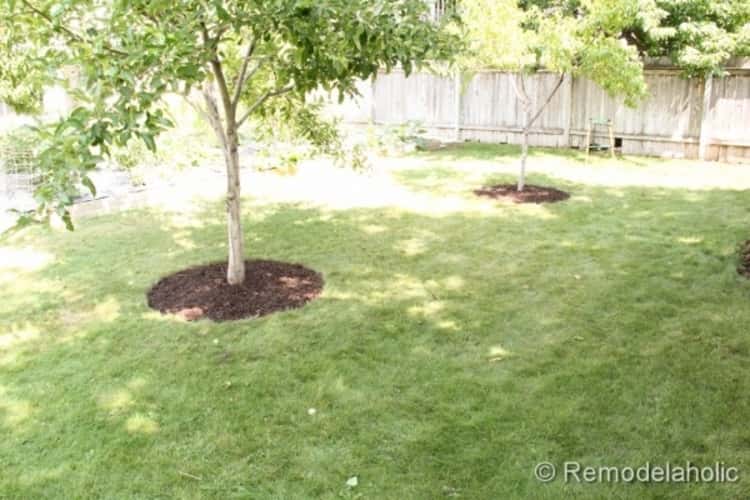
(203,292)
(744,267)
(530,193)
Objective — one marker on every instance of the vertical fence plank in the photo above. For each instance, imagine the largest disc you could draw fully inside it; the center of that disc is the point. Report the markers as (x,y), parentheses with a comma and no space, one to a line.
(567,109)
(457,80)
(705,121)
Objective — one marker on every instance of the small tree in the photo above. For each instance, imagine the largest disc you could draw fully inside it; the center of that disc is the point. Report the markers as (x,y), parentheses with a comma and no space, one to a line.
(125,55)
(581,38)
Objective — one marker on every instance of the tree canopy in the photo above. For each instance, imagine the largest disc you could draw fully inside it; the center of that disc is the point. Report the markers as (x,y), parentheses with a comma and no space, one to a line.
(124,55)
(118,58)
(581,38)
(699,36)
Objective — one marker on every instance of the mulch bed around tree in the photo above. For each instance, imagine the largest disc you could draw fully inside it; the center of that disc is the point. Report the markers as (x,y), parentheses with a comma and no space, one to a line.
(744,267)
(203,292)
(530,193)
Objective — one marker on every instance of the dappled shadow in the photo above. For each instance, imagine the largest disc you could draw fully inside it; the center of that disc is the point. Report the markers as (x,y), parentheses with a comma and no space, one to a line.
(471,162)
(486,151)
(450,349)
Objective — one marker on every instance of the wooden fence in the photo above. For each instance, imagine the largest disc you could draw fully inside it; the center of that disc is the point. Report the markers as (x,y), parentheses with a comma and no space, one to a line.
(681,118)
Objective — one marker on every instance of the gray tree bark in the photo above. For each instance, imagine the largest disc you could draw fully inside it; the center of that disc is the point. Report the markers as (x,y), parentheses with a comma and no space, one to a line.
(529,121)
(525,147)
(236,264)
(229,139)
(226,126)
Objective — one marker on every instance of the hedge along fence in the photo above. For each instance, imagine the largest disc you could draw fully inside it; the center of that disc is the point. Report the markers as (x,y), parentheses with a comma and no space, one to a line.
(682,118)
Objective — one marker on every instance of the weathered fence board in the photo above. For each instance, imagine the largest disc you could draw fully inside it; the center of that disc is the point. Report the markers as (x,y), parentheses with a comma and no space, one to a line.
(730,106)
(670,111)
(422,98)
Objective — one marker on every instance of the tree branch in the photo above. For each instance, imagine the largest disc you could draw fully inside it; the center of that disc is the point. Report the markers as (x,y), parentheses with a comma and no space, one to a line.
(520,92)
(229,108)
(212,114)
(263,99)
(197,107)
(218,71)
(549,98)
(72,34)
(243,73)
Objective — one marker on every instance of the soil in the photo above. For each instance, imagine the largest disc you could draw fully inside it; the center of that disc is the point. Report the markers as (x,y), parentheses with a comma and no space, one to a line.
(530,193)
(744,267)
(203,292)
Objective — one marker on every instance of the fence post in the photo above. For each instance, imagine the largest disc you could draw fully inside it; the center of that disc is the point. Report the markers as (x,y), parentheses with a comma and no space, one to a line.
(567,112)
(373,101)
(705,126)
(457,92)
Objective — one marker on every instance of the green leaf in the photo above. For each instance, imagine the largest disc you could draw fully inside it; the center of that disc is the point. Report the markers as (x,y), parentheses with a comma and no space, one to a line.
(67,219)
(221,11)
(149,140)
(86,181)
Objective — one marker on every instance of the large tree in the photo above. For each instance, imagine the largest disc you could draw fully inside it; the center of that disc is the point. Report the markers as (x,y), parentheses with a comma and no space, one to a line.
(566,37)
(699,36)
(118,58)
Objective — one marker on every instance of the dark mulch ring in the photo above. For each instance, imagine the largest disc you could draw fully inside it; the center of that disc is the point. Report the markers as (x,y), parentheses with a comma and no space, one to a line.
(203,292)
(744,267)
(530,193)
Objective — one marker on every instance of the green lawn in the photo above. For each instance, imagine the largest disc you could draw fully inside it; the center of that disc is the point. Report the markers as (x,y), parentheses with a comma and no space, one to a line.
(451,351)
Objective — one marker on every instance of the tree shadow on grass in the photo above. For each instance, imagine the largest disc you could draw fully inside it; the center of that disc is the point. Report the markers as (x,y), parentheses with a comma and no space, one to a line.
(491,151)
(448,353)
(472,162)
(505,153)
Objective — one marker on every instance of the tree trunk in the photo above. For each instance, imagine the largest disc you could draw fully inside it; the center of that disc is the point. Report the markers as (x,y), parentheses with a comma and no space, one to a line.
(529,120)
(236,266)
(524,150)
(229,140)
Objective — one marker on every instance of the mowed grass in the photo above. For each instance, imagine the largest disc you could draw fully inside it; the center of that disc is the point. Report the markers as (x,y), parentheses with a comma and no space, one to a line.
(451,351)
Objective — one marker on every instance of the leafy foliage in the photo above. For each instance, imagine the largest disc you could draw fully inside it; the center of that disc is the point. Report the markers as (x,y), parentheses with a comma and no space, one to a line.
(119,58)
(290,123)
(698,35)
(22,77)
(578,37)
